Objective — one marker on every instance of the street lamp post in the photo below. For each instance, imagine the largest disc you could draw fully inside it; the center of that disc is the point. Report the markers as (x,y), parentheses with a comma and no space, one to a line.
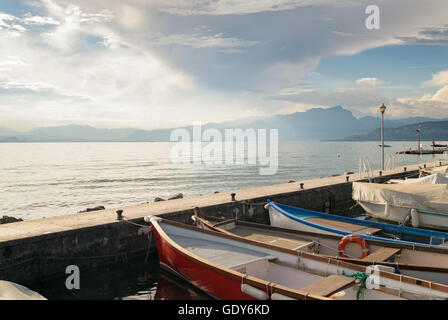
(382,109)
(418,135)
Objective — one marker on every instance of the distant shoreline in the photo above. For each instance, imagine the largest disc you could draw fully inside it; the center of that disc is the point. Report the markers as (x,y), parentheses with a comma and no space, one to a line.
(141,141)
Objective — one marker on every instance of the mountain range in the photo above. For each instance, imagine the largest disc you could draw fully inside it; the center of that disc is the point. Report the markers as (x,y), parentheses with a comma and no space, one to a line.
(432,130)
(334,123)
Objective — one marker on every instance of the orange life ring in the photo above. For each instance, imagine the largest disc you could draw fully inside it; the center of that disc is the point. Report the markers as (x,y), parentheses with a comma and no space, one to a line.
(353,238)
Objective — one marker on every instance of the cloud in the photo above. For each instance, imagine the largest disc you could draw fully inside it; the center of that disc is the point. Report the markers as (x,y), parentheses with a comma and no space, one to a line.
(372,82)
(73,25)
(74,14)
(29,19)
(10,24)
(158,63)
(438,79)
(13,62)
(440,98)
(34,86)
(202,41)
(428,36)
(226,7)
(56,81)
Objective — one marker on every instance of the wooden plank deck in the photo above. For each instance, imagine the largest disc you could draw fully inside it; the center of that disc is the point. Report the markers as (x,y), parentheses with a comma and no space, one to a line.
(382,254)
(329,285)
(345,226)
(269,237)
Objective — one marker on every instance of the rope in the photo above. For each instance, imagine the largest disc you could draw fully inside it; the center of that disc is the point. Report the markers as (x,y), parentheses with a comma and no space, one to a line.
(244,202)
(430,290)
(336,250)
(242,278)
(361,277)
(149,247)
(135,224)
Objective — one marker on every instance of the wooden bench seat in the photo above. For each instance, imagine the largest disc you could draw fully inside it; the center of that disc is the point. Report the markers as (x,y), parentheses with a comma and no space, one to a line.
(329,285)
(382,254)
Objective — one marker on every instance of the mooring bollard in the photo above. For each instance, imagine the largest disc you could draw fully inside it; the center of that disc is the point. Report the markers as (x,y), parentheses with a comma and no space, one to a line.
(233,196)
(301,185)
(119,214)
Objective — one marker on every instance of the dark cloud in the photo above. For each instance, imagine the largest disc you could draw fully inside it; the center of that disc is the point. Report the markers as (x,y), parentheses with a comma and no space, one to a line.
(428,36)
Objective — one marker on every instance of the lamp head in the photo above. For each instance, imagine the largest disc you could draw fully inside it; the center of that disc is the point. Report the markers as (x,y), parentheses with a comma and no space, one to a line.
(382,108)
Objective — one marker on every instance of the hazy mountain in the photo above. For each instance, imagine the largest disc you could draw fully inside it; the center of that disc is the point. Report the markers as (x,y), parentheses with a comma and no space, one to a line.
(315,124)
(433,130)
(7,131)
(79,133)
(369,121)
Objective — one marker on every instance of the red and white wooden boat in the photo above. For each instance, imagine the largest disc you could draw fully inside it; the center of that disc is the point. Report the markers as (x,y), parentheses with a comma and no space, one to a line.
(230,267)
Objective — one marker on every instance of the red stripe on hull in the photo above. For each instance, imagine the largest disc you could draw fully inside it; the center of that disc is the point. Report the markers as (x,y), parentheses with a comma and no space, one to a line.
(208,280)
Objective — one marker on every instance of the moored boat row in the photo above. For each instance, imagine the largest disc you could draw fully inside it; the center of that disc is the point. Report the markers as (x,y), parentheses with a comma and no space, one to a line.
(407,259)
(306,254)
(230,267)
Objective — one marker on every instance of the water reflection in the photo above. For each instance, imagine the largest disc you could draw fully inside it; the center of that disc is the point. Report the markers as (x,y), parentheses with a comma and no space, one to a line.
(170,287)
(127,281)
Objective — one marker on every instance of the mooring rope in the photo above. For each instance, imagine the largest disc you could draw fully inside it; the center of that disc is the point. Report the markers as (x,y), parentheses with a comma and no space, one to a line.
(361,277)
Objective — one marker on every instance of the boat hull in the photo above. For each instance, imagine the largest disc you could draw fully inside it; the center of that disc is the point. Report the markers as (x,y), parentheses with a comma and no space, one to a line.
(228,267)
(300,219)
(216,284)
(281,221)
(398,214)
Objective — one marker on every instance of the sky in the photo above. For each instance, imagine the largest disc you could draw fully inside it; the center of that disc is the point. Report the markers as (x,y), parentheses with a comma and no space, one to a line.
(158,64)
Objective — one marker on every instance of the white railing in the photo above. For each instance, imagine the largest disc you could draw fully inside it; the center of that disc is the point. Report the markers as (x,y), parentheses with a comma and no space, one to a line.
(365,167)
(390,162)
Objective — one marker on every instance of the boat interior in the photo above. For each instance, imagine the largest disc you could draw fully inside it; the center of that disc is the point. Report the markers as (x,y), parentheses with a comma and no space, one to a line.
(327,245)
(268,265)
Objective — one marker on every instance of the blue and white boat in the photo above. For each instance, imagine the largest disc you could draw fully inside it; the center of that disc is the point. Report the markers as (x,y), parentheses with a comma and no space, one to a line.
(289,217)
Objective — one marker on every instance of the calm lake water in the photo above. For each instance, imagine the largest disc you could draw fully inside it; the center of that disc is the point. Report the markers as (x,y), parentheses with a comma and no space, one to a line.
(49,179)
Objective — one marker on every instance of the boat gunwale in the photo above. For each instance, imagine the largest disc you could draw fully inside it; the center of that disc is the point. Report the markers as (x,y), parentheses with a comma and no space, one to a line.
(397,277)
(313,214)
(376,241)
(403,266)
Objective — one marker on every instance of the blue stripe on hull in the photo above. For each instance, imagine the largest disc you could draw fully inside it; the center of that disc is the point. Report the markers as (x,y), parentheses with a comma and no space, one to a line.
(300,215)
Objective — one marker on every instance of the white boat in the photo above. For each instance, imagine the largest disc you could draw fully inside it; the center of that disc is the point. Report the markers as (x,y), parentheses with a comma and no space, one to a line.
(427,171)
(289,217)
(435,178)
(424,205)
(229,267)
(13,291)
